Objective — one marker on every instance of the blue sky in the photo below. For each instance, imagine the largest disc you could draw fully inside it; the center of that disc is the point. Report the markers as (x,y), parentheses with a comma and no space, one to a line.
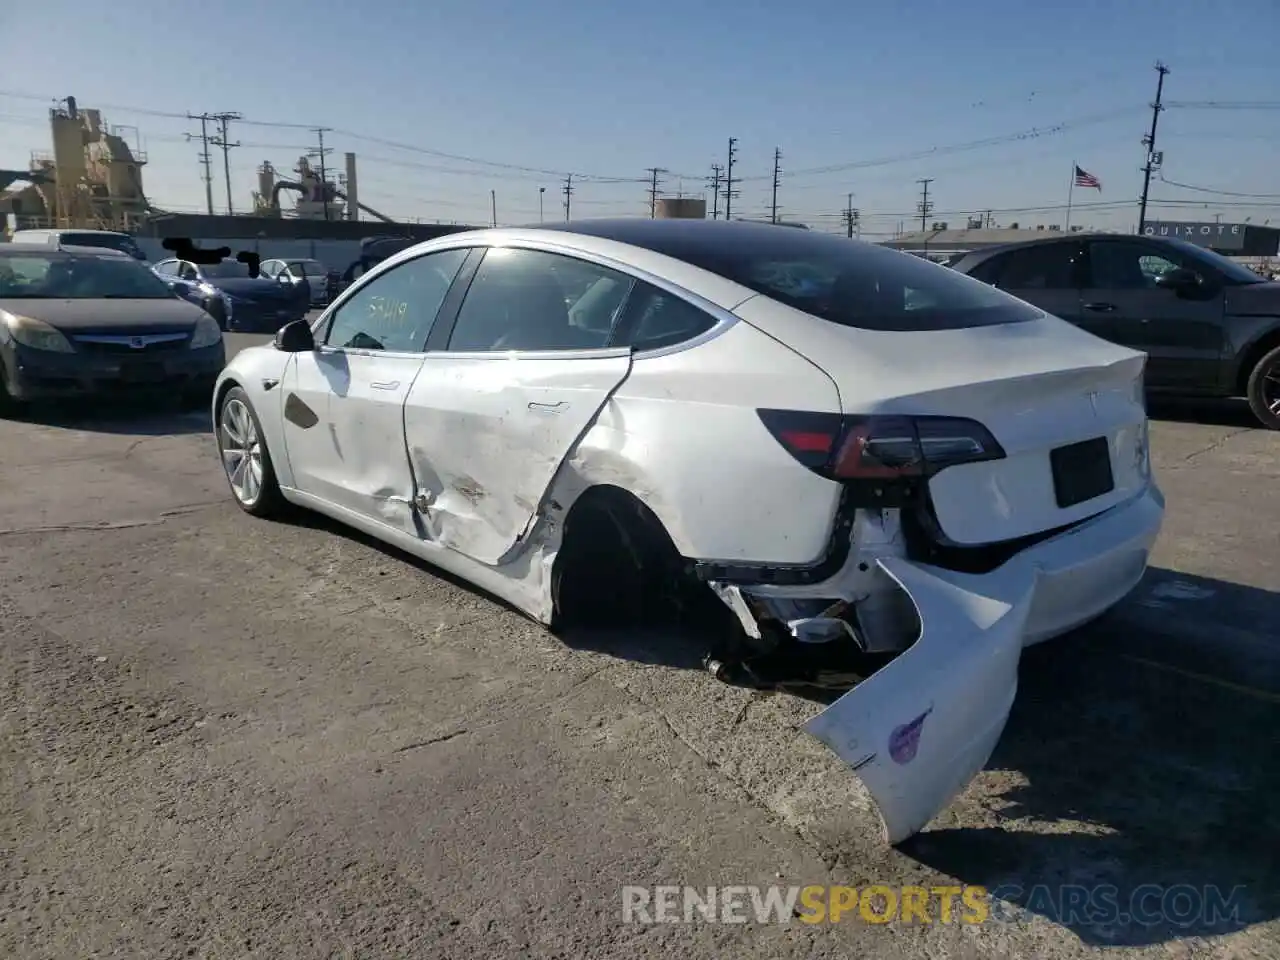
(606,90)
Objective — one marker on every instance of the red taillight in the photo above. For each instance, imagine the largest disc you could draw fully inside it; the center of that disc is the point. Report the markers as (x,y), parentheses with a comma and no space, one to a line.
(880,448)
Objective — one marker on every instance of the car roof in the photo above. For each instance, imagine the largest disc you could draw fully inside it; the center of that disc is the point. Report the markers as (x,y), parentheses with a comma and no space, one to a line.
(58,231)
(44,250)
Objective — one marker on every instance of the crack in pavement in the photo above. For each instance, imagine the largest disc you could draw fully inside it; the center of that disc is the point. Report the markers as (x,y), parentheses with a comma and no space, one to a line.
(1216,444)
(112,524)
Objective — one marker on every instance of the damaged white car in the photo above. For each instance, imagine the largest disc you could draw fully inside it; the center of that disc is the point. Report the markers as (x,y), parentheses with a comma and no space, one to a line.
(826,441)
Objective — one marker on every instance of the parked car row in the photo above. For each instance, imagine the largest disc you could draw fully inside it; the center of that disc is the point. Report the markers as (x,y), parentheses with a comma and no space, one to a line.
(234,298)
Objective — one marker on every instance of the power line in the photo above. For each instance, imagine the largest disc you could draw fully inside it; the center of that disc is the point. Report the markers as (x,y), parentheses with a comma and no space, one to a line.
(777,173)
(729,192)
(654,173)
(1220,193)
(1149,141)
(226,146)
(205,159)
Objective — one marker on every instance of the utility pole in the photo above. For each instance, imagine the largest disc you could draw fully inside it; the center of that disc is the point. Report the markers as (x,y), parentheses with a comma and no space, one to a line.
(205,160)
(567,190)
(542,192)
(851,217)
(924,206)
(322,151)
(1149,141)
(777,173)
(717,174)
(729,192)
(493,205)
(226,145)
(653,190)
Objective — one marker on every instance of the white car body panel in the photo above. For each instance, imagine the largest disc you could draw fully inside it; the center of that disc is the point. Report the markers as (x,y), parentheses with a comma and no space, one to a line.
(354,456)
(678,429)
(1035,386)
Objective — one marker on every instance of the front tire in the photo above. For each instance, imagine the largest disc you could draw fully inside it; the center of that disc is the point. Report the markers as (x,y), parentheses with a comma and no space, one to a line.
(245,458)
(1264,390)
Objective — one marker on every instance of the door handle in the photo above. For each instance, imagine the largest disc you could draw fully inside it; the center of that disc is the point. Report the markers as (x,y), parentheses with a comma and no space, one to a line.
(556,407)
(385,384)
(1100,307)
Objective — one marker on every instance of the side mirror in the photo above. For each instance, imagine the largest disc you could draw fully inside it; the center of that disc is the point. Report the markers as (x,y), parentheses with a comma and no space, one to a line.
(174,286)
(295,337)
(1178,279)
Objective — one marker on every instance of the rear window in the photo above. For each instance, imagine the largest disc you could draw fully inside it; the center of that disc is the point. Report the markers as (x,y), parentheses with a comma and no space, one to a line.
(849,282)
(109,241)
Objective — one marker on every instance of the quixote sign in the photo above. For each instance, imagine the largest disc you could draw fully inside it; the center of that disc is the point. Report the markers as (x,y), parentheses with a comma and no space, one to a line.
(1219,236)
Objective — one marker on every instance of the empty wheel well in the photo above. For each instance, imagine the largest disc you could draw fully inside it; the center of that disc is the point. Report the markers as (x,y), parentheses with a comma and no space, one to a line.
(614,555)
(1265,344)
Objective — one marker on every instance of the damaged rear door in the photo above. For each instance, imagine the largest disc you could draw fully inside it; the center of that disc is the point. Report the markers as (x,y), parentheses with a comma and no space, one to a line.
(920,728)
(523,374)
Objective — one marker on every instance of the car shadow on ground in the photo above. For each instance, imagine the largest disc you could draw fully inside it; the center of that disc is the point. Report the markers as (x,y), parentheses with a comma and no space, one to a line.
(1211,413)
(132,416)
(1141,777)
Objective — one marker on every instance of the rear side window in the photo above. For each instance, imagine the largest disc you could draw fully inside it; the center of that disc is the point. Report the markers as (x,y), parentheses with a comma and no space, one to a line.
(660,319)
(1049,266)
(851,283)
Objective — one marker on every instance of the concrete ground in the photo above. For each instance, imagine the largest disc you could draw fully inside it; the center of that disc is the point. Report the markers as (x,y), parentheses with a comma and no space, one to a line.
(226,737)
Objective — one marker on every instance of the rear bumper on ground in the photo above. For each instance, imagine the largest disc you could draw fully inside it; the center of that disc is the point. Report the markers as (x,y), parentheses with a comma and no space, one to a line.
(41,374)
(920,728)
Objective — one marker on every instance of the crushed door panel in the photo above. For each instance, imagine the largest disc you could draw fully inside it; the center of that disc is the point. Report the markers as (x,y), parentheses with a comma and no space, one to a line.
(486,436)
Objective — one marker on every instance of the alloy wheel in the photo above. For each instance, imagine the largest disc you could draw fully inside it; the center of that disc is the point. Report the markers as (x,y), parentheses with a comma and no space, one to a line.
(1270,388)
(241,450)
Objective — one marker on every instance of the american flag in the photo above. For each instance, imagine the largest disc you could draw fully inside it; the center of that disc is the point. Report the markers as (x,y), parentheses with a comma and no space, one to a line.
(1086,179)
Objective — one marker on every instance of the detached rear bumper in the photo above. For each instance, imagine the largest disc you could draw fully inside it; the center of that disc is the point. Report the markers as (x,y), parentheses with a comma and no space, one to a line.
(919,729)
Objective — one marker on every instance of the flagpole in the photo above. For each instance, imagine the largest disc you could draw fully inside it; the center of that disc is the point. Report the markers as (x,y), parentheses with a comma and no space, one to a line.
(1071,185)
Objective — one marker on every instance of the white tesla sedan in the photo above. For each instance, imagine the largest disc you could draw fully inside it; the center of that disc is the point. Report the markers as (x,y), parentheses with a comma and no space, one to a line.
(841,443)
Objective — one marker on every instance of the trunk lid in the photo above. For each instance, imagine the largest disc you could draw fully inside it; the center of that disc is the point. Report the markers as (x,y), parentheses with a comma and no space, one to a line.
(1036,386)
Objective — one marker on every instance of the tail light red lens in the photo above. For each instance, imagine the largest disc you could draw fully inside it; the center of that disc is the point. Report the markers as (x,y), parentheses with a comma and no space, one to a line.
(880,447)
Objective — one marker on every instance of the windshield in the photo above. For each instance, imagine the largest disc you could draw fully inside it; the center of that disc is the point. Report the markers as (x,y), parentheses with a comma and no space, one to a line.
(226,269)
(62,276)
(843,281)
(1234,272)
(111,241)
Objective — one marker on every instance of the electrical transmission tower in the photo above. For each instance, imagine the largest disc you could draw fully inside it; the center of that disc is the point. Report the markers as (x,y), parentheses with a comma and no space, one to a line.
(223,142)
(567,190)
(729,192)
(777,176)
(851,217)
(717,176)
(654,174)
(1154,159)
(205,160)
(924,206)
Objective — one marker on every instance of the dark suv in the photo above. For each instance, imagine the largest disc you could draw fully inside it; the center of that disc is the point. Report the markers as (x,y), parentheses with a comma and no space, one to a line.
(1209,326)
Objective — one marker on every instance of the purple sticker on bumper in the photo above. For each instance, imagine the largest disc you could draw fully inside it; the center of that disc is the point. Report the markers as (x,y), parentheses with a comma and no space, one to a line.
(904,741)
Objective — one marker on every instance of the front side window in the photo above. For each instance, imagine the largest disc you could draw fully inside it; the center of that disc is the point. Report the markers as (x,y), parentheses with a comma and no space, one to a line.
(533,300)
(395,311)
(227,269)
(1126,266)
